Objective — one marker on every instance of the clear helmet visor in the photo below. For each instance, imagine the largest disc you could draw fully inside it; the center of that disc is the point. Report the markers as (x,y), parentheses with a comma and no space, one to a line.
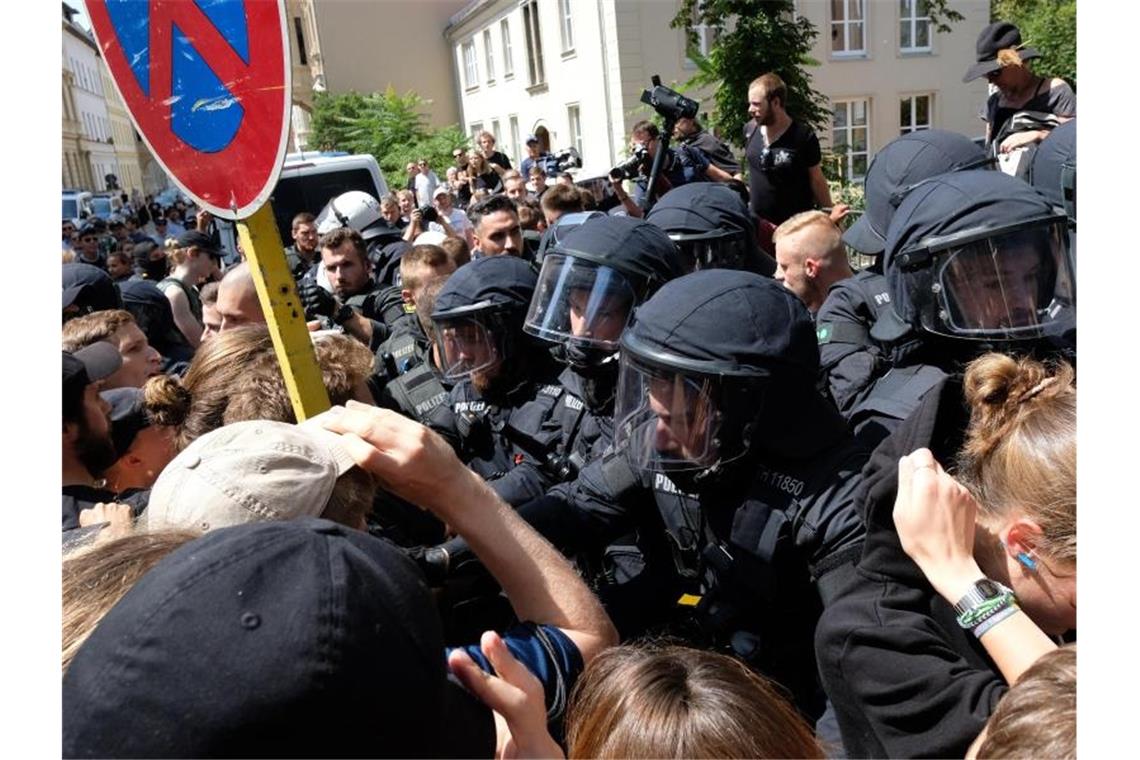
(725,252)
(580,300)
(667,420)
(467,344)
(1018,285)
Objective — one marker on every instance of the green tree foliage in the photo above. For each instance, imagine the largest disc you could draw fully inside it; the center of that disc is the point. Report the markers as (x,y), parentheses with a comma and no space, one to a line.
(757,36)
(1050,26)
(390,126)
(752,37)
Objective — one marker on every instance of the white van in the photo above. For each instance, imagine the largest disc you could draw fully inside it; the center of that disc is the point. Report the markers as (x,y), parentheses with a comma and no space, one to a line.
(310,180)
(76,205)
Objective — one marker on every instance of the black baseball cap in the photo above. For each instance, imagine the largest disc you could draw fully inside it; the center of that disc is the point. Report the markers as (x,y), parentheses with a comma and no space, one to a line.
(196,239)
(83,367)
(298,638)
(128,415)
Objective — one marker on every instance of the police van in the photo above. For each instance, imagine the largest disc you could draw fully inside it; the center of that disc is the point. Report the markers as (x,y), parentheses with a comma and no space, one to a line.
(308,181)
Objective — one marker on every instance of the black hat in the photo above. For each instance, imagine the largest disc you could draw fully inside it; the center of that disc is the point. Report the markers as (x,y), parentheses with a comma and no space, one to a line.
(492,281)
(298,638)
(1000,35)
(87,228)
(196,239)
(726,321)
(903,162)
(83,367)
(709,209)
(956,202)
(128,415)
(632,246)
(89,287)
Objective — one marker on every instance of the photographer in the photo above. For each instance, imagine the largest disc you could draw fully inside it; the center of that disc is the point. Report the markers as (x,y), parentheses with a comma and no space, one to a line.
(536,156)
(428,218)
(681,166)
(690,132)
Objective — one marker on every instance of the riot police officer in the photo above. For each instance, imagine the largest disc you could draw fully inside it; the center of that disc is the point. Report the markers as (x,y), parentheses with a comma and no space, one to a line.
(850,360)
(974,260)
(712,227)
(591,280)
(353,304)
(740,478)
(498,369)
(1054,168)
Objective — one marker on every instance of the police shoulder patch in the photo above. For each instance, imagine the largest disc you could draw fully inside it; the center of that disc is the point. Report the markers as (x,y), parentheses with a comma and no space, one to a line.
(823,332)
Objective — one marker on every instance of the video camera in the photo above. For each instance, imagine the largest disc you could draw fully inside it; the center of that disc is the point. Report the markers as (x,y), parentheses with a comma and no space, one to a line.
(671,104)
(564,160)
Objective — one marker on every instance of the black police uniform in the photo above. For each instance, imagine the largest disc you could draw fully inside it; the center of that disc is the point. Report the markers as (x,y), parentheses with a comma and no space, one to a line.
(298,265)
(851,360)
(507,434)
(754,546)
(918,325)
(1054,168)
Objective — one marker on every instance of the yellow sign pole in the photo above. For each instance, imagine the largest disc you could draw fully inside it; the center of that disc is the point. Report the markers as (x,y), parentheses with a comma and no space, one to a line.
(283,313)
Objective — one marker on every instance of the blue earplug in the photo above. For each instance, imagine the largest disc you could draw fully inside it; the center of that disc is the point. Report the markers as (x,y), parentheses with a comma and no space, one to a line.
(1029,562)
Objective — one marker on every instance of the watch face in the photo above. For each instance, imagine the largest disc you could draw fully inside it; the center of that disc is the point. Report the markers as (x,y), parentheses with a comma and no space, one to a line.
(988,589)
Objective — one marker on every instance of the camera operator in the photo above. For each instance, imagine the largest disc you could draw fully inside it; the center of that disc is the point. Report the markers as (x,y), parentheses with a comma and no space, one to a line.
(682,165)
(690,132)
(535,156)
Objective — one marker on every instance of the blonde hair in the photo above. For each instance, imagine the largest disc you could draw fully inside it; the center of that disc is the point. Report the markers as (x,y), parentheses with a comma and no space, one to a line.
(1009,57)
(95,579)
(235,376)
(671,701)
(1021,445)
(832,243)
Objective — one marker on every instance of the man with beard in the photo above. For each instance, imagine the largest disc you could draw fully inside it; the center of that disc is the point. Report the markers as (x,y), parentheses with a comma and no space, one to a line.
(498,370)
(88,449)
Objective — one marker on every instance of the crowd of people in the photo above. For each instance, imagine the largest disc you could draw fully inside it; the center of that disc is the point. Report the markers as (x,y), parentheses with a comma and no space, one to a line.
(662,477)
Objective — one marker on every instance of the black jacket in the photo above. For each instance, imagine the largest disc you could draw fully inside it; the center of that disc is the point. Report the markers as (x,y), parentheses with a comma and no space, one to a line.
(905,679)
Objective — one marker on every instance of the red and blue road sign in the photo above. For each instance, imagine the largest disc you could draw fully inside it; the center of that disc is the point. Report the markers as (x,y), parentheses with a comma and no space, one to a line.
(208,86)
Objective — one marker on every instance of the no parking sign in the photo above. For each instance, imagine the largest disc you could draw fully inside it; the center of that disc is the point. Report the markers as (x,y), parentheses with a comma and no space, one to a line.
(207,84)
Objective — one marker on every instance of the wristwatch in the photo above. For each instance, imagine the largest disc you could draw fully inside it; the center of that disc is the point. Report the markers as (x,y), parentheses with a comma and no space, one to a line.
(343,314)
(985,605)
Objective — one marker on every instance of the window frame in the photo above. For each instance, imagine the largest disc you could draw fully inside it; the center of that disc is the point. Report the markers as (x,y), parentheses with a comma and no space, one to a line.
(913,19)
(906,129)
(470,64)
(489,56)
(566,26)
(846,23)
(847,169)
(516,139)
(508,51)
(574,125)
(536,69)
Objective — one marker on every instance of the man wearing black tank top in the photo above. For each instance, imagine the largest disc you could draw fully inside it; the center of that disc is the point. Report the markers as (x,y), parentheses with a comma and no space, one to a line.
(783,158)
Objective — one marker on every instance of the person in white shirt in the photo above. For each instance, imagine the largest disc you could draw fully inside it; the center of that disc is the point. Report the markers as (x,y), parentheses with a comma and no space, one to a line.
(460,225)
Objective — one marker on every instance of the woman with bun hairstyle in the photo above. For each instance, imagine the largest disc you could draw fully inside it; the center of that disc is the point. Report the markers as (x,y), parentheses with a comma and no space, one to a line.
(235,376)
(965,580)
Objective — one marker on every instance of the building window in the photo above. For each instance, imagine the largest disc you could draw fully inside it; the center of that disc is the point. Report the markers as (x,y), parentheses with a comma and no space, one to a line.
(574,119)
(567,26)
(516,143)
(849,137)
(535,71)
(470,64)
(300,41)
(476,128)
(495,130)
(847,27)
(508,55)
(489,54)
(914,26)
(706,35)
(914,113)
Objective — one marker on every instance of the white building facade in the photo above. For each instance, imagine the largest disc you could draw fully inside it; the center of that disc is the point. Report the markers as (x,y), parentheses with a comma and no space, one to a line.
(572,71)
(96,147)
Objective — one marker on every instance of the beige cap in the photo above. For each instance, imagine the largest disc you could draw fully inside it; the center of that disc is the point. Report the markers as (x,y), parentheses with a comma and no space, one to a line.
(248,472)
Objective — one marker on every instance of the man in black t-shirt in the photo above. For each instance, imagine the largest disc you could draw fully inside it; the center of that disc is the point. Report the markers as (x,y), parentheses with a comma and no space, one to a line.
(784,175)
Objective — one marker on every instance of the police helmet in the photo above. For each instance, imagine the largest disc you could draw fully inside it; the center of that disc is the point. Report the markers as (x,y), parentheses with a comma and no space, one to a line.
(697,363)
(712,227)
(978,255)
(1054,168)
(356,209)
(593,277)
(898,168)
(560,228)
(478,313)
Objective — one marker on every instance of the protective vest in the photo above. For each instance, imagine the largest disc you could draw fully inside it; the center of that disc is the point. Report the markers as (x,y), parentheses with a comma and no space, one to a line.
(418,393)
